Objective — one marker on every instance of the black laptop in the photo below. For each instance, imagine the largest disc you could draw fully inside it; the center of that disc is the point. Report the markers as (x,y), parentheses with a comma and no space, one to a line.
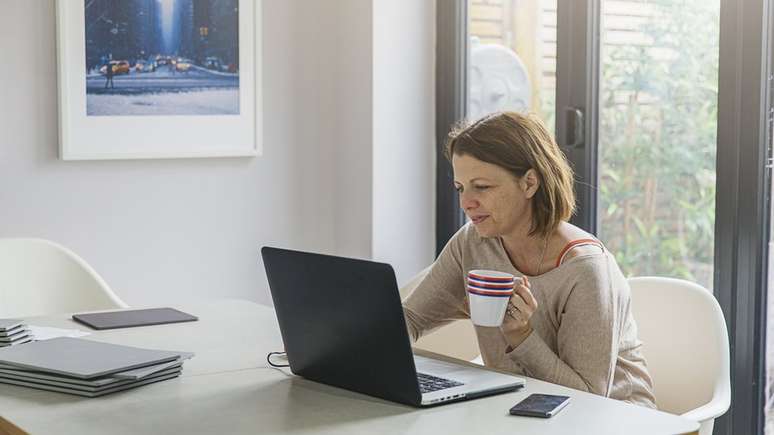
(342,324)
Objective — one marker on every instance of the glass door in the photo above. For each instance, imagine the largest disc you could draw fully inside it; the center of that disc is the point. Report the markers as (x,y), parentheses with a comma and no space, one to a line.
(658,98)
(638,114)
(512,58)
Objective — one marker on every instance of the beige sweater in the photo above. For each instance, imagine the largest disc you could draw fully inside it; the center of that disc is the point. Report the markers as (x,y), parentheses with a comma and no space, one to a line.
(584,335)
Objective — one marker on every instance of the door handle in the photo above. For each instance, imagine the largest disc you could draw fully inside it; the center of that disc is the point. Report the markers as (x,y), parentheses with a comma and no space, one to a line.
(575,127)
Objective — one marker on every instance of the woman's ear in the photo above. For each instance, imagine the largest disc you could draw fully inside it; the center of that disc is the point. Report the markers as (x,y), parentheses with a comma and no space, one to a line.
(530,183)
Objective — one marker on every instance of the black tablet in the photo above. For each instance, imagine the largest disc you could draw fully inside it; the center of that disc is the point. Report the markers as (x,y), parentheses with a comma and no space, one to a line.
(133,318)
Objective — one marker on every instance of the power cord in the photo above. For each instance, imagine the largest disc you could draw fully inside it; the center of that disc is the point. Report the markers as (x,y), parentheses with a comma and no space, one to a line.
(268,359)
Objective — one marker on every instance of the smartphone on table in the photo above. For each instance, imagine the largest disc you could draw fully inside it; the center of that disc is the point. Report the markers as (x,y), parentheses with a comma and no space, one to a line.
(540,405)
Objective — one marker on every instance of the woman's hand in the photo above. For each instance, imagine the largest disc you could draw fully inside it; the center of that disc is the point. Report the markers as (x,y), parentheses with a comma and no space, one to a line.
(521,306)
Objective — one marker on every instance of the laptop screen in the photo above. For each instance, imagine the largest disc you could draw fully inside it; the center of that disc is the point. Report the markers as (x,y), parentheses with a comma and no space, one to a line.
(342,323)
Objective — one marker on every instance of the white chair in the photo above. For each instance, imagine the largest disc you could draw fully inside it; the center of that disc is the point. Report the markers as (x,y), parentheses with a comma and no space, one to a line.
(457,339)
(685,343)
(40,277)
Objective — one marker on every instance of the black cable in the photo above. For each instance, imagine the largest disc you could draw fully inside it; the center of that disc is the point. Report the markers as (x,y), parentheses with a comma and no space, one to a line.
(268,359)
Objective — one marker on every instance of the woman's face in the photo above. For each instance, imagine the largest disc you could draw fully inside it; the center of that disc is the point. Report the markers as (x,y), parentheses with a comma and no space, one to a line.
(496,201)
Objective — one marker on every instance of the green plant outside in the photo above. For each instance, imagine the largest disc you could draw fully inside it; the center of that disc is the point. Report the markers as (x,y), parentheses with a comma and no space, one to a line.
(657,150)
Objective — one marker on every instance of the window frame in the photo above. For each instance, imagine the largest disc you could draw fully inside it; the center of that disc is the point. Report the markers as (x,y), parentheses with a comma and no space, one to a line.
(451,85)
(577,89)
(742,204)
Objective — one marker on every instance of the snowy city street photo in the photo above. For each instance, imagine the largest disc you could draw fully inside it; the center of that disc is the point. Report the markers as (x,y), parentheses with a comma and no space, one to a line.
(162,57)
(147,79)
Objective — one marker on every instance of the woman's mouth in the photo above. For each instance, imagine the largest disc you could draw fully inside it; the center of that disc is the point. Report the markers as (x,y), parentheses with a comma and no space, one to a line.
(478,219)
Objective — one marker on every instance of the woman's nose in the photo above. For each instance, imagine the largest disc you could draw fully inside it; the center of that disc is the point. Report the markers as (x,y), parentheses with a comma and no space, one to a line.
(467,201)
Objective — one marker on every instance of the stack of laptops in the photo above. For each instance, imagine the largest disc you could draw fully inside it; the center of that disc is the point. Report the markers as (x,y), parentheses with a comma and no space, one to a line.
(13,332)
(87,368)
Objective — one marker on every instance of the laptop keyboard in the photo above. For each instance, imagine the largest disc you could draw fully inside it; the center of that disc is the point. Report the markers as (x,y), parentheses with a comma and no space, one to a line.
(428,383)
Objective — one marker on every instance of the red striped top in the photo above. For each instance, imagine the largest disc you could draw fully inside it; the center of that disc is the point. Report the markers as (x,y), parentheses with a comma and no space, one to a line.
(576,243)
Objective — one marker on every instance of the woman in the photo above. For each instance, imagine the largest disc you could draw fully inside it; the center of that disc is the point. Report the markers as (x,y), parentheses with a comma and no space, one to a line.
(569,321)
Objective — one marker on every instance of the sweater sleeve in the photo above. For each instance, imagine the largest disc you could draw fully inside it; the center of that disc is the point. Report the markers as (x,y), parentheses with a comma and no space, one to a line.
(587,338)
(440,297)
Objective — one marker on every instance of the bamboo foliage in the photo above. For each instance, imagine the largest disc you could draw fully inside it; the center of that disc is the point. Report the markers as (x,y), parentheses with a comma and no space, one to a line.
(658,131)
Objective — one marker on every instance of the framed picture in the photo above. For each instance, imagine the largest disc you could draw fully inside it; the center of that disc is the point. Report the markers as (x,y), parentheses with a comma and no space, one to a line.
(159,78)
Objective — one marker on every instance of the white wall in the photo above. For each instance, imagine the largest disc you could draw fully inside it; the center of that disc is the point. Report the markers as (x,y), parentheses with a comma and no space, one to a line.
(161,230)
(404,134)
(352,48)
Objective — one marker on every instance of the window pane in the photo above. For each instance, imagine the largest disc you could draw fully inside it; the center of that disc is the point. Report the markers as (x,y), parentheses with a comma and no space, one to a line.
(657,136)
(512,57)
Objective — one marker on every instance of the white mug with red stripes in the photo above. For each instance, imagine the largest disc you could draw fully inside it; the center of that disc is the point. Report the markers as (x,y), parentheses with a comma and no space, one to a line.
(489,292)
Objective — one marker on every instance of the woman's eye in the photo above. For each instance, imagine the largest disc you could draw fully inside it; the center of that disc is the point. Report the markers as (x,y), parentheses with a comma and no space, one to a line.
(460,189)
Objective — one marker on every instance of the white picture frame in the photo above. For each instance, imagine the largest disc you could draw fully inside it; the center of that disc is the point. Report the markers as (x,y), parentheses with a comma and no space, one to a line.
(88,137)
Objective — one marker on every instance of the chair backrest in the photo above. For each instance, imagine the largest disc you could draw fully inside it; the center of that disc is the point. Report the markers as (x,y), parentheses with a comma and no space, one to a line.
(685,341)
(457,339)
(39,277)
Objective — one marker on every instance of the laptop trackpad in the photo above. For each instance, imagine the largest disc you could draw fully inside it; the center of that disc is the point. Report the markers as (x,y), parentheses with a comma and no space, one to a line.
(444,369)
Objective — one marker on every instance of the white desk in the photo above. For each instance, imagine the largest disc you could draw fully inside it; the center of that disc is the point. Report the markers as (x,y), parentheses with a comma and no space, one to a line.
(228,388)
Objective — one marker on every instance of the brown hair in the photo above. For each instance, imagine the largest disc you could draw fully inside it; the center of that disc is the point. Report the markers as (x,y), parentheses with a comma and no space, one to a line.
(518,143)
